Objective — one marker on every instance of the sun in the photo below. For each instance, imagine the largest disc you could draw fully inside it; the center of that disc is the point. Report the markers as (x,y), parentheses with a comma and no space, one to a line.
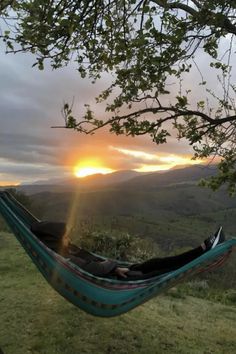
(88,168)
(88,171)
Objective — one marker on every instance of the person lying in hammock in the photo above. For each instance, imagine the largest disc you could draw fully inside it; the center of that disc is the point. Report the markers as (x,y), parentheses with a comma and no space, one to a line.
(55,236)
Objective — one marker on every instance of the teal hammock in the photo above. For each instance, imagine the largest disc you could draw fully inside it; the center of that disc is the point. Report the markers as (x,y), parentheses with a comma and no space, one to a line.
(97,295)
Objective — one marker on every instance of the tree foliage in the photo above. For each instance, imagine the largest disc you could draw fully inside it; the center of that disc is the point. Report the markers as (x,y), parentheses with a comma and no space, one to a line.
(117,245)
(149,48)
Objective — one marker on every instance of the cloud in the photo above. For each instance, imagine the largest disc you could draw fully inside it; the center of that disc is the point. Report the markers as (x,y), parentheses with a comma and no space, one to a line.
(144,162)
(30,104)
(28,172)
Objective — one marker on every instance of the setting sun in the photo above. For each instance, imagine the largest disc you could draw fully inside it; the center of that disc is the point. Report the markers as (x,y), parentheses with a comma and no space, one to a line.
(89,168)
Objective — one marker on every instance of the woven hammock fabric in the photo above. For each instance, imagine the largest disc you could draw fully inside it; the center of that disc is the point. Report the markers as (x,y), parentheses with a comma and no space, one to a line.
(98,296)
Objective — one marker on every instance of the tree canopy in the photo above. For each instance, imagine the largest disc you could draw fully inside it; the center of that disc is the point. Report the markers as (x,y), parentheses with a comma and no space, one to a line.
(153,51)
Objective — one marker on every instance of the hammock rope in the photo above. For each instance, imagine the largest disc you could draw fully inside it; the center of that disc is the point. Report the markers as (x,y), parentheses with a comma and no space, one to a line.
(98,296)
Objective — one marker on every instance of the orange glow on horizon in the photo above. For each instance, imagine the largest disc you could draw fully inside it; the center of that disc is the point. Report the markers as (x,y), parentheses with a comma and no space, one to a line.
(138,160)
(9,184)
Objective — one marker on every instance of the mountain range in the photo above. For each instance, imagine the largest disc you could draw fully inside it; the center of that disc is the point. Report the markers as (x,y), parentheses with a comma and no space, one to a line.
(124,179)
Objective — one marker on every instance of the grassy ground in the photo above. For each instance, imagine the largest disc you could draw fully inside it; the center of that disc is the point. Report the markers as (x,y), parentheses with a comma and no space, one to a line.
(35,319)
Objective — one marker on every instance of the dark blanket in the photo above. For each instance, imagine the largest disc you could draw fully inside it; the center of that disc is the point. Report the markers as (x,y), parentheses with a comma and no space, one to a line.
(52,234)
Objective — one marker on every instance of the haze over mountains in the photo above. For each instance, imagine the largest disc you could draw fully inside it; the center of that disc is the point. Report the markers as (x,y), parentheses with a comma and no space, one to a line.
(122,179)
(94,179)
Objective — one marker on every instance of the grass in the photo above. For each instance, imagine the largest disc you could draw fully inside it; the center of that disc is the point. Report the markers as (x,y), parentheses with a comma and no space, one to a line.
(35,319)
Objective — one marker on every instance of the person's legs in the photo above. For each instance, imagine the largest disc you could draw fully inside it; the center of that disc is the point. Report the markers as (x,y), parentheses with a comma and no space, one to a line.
(168,263)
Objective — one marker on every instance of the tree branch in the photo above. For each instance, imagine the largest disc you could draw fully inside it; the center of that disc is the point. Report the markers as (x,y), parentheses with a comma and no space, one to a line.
(176,5)
(5,3)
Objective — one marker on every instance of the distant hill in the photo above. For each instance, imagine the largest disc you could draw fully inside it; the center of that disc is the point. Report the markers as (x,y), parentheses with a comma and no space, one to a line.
(93,181)
(108,179)
(124,180)
(188,175)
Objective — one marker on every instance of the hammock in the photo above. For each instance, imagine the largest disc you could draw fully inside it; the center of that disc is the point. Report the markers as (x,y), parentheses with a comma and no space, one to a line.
(98,296)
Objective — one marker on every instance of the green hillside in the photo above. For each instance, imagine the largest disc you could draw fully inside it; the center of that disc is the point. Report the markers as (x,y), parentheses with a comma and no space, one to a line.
(36,320)
(173,216)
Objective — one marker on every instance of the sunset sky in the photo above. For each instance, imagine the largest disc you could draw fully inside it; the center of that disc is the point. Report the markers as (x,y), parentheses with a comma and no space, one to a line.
(30,150)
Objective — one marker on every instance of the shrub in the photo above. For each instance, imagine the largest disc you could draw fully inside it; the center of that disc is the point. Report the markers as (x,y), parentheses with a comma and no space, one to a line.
(230,296)
(116,245)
